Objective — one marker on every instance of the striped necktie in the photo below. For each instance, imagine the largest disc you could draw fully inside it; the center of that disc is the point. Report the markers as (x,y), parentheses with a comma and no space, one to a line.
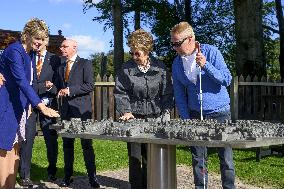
(39,64)
(68,69)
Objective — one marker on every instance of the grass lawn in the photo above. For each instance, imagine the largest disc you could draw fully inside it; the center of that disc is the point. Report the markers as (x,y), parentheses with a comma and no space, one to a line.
(113,155)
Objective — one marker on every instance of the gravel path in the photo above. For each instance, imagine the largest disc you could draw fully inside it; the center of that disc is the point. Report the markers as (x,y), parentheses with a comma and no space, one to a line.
(119,180)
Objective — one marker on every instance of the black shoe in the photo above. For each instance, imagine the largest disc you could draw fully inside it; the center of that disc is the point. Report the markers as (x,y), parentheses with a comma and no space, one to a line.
(26,182)
(94,182)
(51,178)
(66,182)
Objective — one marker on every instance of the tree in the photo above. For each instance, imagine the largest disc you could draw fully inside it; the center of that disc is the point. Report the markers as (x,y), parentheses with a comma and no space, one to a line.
(214,21)
(137,14)
(271,40)
(250,59)
(96,60)
(272,62)
(118,51)
(183,8)
(116,18)
(280,18)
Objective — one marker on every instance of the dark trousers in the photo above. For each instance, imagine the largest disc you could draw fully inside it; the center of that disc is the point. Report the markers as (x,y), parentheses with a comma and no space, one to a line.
(137,166)
(88,153)
(50,138)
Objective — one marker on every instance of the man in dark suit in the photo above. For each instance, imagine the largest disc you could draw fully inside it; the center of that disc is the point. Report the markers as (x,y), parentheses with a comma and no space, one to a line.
(44,69)
(75,84)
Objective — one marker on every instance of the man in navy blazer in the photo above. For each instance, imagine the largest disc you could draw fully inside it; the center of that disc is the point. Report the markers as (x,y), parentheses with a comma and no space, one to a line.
(75,84)
(45,66)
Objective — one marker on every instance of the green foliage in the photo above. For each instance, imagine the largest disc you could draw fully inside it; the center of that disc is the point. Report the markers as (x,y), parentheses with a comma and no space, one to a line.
(97,59)
(104,9)
(161,29)
(113,155)
(213,21)
(272,49)
(271,44)
(269,18)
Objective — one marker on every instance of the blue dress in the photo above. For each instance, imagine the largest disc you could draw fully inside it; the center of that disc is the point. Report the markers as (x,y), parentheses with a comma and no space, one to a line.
(17,93)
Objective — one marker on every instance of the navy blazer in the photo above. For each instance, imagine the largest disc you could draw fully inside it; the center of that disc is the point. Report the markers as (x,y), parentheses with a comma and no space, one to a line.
(81,84)
(17,93)
(49,69)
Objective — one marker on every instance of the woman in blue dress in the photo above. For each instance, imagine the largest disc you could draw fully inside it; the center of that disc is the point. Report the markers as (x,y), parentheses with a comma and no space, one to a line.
(16,96)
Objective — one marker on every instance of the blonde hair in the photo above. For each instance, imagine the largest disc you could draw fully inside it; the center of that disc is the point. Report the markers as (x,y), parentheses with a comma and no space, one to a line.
(34,28)
(141,40)
(183,28)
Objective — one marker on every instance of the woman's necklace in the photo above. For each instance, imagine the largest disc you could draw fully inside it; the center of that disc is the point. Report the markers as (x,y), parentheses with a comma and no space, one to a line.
(144,68)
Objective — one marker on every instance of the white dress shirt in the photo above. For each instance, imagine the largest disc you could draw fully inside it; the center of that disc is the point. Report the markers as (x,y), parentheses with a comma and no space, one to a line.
(73,60)
(190,67)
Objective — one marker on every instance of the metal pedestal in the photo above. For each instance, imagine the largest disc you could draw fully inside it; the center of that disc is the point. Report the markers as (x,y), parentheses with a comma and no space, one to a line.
(161,166)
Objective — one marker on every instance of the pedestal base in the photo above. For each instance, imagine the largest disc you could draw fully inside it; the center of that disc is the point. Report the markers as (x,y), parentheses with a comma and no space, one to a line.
(161,166)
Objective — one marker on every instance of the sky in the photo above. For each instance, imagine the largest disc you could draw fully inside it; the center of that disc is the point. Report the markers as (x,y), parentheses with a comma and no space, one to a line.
(65,15)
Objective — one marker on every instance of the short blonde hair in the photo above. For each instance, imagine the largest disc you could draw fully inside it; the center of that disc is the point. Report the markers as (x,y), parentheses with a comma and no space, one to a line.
(183,28)
(34,28)
(141,40)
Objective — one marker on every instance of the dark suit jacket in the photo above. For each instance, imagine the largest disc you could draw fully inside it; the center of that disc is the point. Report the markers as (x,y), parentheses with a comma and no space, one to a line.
(81,84)
(17,93)
(48,73)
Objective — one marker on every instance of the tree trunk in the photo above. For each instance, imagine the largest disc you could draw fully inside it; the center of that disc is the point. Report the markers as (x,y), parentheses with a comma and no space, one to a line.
(137,14)
(179,9)
(250,57)
(188,11)
(118,51)
(280,18)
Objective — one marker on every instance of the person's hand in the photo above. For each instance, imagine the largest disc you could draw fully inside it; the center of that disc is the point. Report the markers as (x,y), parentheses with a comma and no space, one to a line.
(2,80)
(48,84)
(200,59)
(166,116)
(127,116)
(47,111)
(63,92)
(30,110)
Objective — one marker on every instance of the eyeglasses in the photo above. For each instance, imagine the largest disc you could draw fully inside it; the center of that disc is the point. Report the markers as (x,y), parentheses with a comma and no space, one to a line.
(63,46)
(137,54)
(179,43)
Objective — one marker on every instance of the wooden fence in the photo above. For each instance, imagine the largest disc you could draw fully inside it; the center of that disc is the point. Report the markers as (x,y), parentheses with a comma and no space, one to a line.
(254,98)
(103,98)
(251,98)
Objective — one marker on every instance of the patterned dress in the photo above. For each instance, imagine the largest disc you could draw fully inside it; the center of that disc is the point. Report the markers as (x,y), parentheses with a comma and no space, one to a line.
(20,135)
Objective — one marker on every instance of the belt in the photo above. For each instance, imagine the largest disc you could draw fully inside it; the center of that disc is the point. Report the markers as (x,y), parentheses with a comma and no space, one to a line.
(193,114)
